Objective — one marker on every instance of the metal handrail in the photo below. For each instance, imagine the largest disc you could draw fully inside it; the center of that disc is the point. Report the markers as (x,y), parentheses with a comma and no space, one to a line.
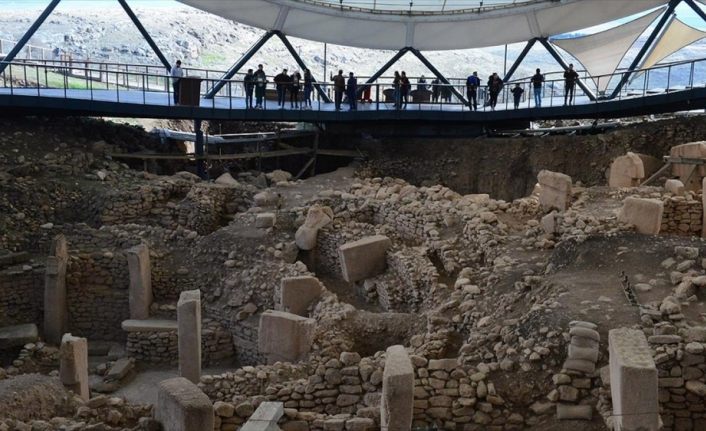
(33,75)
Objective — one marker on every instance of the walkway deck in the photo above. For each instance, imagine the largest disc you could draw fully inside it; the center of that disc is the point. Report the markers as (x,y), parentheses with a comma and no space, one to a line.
(138,104)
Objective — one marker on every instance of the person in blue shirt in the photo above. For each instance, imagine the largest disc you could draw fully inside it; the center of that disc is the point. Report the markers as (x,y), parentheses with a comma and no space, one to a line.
(472,84)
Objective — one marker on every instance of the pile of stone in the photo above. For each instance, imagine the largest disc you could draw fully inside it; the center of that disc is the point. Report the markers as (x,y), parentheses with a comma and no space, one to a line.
(575,383)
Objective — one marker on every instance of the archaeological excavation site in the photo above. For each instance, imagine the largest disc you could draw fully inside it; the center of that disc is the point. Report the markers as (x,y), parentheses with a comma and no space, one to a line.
(382,292)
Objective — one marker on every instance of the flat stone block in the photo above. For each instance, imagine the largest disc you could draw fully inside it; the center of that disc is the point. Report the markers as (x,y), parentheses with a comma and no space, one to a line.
(18,335)
(265,220)
(570,411)
(285,336)
(633,381)
(149,325)
(181,406)
(644,214)
(297,293)
(364,258)
(626,171)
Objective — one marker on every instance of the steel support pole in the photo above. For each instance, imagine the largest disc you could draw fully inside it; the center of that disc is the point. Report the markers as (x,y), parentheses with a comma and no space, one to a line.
(28,35)
(563,64)
(301,64)
(146,35)
(383,69)
(438,74)
(520,59)
(648,43)
(239,65)
(199,149)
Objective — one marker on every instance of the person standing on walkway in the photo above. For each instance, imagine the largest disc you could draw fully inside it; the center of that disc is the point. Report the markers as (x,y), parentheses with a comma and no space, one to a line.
(294,86)
(517,94)
(405,87)
(495,85)
(308,89)
(339,87)
(397,86)
(249,86)
(537,82)
(351,91)
(570,77)
(177,73)
(472,84)
(422,84)
(260,80)
(281,81)
(435,90)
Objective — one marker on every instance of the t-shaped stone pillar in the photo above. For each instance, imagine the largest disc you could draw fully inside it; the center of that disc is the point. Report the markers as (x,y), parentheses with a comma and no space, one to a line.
(181,406)
(73,365)
(397,403)
(55,309)
(189,322)
(140,292)
(633,381)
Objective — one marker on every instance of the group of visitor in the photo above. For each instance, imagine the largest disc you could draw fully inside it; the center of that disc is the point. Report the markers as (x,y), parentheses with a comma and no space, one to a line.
(256,82)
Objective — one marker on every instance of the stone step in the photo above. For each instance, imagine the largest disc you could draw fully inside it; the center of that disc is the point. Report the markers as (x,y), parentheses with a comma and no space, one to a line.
(18,335)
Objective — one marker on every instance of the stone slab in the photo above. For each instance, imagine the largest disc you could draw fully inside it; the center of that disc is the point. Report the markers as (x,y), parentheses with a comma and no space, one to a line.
(55,305)
(555,190)
(140,290)
(18,335)
(189,334)
(364,258)
(633,381)
(73,365)
(626,171)
(397,401)
(285,336)
(181,406)
(574,412)
(644,214)
(265,220)
(297,293)
(149,325)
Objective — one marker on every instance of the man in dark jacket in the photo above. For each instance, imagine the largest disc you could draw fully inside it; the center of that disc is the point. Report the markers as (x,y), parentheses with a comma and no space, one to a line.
(537,82)
(472,84)
(351,90)
(281,81)
(570,77)
(249,87)
(339,86)
(517,94)
(495,86)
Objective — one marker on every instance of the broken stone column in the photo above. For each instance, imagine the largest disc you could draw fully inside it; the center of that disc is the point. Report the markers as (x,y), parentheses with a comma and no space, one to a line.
(55,306)
(633,381)
(265,418)
(674,187)
(397,402)
(189,334)
(140,293)
(555,192)
(364,258)
(297,293)
(317,217)
(182,406)
(626,171)
(285,336)
(644,214)
(73,365)
(578,368)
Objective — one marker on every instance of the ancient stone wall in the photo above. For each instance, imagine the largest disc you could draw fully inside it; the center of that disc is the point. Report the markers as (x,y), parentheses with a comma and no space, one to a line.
(162,347)
(21,293)
(411,277)
(682,215)
(97,294)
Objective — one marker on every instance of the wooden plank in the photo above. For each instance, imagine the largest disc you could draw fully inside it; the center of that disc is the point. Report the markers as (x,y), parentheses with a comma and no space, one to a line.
(265,154)
(657,174)
(339,153)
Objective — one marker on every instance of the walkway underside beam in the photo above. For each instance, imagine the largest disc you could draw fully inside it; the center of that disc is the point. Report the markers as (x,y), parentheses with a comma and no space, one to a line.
(563,64)
(239,65)
(646,47)
(146,35)
(28,35)
(302,66)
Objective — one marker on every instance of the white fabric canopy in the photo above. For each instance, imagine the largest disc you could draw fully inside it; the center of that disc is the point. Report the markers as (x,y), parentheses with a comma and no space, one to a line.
(435,31)
(601,53)
(675,37)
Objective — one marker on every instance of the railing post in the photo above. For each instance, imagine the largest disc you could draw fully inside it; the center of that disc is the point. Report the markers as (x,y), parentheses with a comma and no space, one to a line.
(669,77)
(377,96)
